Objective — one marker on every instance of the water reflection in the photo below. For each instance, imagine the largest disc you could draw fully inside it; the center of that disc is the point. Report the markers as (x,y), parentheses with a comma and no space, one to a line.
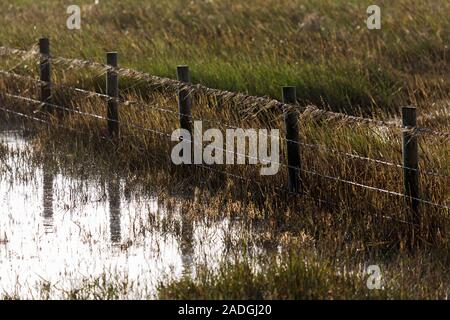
(186,242)
(47,197)
(162,237)
(114,210)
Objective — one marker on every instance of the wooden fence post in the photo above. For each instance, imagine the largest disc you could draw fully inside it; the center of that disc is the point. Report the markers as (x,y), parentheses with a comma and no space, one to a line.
(112,90)
(45,73)
(184,101)
(292,137)
(410,163)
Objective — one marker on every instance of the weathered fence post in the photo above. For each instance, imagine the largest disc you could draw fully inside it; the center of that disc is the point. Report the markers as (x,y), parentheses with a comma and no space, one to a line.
(184,101)
(45,73)
(410,162)
(292,137)
(112,90)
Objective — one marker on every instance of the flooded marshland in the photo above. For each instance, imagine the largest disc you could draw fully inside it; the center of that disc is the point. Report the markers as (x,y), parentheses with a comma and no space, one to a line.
(74,225)
(60,232)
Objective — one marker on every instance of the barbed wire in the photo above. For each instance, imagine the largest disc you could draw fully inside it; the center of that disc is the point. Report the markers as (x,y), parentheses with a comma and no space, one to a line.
(266,103)
(377,161)
(282,189)
(90,94)
(357,184)
(23,115)
(22,54)
(285,190)
(42,104)
(304,194)
(338,179)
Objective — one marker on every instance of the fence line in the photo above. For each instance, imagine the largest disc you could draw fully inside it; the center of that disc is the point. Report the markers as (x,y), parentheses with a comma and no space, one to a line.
(90,94)
(239,98)
(23,115)
(338,179)
(303,194)
(199,165)
(377,161)
(55,85)
(175,85)
(230,174)
(82,113)
(186,91)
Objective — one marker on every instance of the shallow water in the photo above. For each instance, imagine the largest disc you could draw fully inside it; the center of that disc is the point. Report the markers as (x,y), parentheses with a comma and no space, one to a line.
(61,229)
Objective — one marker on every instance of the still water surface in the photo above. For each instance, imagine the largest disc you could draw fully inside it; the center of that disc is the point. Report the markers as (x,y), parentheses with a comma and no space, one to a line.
(63,229)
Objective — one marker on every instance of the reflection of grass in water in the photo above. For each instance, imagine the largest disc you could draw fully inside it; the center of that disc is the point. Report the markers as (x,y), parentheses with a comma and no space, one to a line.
(352,238)
(3,150)
(294,274)
(3,239)
(103,287)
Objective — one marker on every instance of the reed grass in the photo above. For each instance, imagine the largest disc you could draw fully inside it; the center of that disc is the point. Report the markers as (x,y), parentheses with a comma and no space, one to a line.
(324,49)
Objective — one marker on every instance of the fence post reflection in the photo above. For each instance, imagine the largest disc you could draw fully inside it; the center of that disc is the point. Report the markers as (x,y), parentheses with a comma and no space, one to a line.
(47,213)
(114,209)
(187,242)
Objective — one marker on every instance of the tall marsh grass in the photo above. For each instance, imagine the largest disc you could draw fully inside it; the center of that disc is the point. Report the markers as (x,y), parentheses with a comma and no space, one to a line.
(324,49)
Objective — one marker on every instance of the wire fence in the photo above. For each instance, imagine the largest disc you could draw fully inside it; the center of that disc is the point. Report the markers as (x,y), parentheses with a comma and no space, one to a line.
(172,85)
(393,193)
(178,86)
(303,194)
(89,94)
(168,135)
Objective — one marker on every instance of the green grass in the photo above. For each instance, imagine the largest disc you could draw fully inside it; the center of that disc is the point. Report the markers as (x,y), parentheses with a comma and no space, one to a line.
(323,47)
(292,277)
(297,275)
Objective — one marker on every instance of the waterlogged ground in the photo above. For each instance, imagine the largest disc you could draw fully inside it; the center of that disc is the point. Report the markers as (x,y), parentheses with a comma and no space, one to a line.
(57,232)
